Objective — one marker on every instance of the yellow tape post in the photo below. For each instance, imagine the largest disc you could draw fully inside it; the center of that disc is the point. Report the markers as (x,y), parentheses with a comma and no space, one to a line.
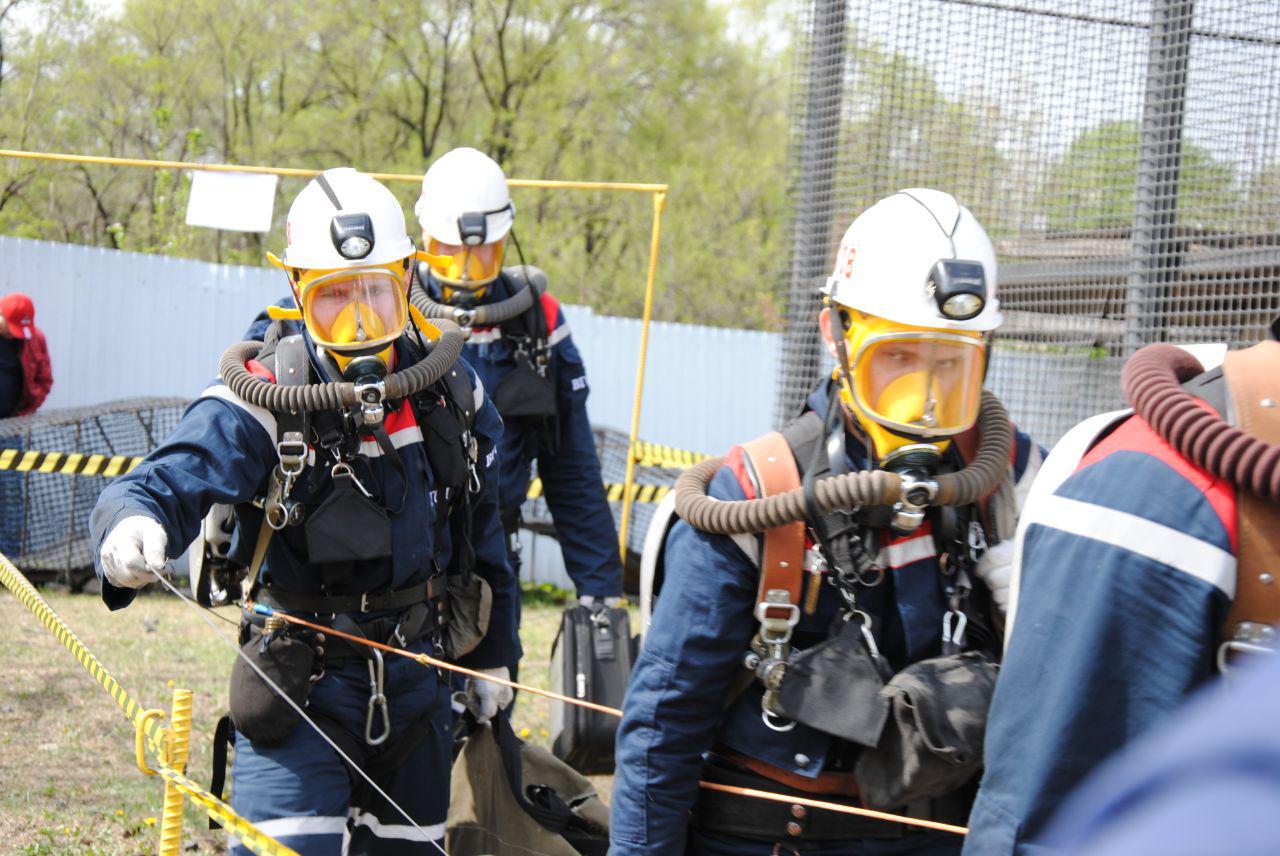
(147,728)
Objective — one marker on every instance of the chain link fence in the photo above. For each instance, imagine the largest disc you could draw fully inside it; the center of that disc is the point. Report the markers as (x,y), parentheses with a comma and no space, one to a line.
(1124,157)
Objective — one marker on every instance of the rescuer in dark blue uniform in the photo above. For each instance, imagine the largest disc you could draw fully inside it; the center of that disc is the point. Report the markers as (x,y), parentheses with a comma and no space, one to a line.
(527,360)
(887,588)
(378,514)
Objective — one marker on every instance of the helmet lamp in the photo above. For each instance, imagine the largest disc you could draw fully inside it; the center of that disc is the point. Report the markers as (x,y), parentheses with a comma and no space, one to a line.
(352,235)
(959,287)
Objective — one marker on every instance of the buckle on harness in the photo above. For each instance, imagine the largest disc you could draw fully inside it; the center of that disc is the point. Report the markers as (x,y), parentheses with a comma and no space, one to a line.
(1250,637)
(292,450)
(776,629)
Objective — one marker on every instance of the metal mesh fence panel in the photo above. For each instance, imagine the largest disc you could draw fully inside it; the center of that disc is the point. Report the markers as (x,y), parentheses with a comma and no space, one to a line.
(1124,157)
(49,485)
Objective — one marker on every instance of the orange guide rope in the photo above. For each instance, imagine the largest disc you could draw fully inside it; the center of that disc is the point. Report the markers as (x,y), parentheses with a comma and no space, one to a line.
(428,660)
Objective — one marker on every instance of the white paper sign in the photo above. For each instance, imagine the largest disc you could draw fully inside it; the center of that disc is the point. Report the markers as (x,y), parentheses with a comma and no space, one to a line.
(238,201)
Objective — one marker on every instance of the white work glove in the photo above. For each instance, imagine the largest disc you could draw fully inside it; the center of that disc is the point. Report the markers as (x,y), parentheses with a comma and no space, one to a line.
(133,552)
(589,601)
(996,570)
(485,698)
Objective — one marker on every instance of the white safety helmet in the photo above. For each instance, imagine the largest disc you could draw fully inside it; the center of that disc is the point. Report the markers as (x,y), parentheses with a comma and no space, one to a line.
(465,200)
(918,258)
(344,219)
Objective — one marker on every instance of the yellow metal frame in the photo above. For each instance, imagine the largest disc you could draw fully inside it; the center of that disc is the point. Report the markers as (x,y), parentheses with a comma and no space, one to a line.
(658,192)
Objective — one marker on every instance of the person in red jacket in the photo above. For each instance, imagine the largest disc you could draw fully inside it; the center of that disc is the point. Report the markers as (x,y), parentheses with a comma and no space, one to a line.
(25,374)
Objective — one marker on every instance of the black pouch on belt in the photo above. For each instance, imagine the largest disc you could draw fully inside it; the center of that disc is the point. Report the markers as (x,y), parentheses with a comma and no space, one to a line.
(934,744)
(348,526)
(524,393)
(835,687)
(466,613)
(256,710)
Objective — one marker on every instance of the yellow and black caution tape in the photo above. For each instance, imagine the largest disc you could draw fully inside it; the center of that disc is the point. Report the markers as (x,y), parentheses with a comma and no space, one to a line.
(66,463)
(110,466)
(613,490)
(669,457)
(249,835)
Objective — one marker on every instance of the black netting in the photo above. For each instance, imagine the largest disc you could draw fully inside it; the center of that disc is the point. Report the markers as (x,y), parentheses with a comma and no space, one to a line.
(45,526)
(1124,156)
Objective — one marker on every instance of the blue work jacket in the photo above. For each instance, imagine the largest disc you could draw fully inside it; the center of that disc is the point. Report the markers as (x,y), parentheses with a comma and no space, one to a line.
(674,711)
(567,462)
(223,451)
(1207,781)
(1127,570)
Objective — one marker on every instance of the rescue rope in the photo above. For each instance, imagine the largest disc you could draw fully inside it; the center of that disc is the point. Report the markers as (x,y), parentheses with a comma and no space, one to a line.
(426,660)
(851,490)
(302,713)
(249,835)
(1152,381)
(432,662)
(335,395)
(840,808)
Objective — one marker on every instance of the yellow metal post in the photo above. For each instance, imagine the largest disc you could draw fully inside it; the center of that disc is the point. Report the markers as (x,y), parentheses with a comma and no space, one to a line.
(633,451)
(177,745)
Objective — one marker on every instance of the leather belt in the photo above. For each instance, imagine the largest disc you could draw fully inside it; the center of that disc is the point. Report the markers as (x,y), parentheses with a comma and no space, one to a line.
(328,604)
(839,784)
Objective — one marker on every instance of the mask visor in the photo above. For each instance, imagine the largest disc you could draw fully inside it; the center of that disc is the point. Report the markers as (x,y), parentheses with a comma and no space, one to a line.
(459,264)
(355,310)
(920,384)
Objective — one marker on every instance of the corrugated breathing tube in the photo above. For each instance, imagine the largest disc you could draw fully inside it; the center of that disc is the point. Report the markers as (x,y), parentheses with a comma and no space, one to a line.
(850,490)
(1152,382)
(335,395)
(487,314)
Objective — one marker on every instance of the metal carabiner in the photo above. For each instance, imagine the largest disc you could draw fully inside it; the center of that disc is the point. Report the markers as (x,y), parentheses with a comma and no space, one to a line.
(977,540)
(864,624)
(377,700)
(950,635)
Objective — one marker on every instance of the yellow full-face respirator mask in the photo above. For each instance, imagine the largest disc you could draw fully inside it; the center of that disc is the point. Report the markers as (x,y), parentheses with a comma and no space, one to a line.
(464,271)
(909,388)
(353,314)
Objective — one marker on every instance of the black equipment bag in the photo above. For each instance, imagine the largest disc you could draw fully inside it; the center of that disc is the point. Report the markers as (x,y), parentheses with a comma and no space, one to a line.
(590,660)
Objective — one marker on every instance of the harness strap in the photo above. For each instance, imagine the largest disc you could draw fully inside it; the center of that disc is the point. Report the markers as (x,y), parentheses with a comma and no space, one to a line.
(224,737)
(773,469)
(259,554)
(1251,380)
(322,604)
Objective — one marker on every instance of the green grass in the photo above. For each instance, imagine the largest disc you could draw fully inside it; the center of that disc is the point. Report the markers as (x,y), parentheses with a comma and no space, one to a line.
(68,782)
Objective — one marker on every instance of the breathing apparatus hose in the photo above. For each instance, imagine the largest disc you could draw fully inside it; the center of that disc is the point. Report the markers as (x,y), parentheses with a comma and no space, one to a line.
(484,315)
(1152,382)
(335,395)
(850,490)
